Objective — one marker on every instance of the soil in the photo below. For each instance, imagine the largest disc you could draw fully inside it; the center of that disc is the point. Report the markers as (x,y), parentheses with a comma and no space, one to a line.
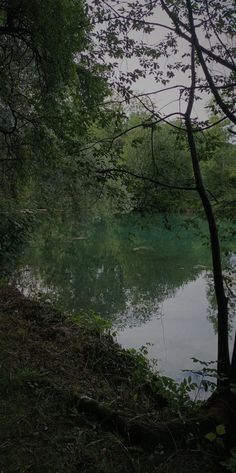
(50,368)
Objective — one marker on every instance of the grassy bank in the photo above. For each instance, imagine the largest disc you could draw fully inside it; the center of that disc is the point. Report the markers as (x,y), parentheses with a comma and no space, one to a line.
(69,395)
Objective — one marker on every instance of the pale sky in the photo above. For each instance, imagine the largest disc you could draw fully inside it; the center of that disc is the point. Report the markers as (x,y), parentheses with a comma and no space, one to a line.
(167,101)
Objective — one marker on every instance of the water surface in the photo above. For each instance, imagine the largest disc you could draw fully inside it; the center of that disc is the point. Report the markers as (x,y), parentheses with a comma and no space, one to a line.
(149,276)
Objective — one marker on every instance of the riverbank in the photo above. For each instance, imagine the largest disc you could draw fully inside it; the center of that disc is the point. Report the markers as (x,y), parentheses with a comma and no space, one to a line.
(73,401)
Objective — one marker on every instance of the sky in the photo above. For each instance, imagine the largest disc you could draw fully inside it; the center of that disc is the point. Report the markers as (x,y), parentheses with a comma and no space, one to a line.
(166,101)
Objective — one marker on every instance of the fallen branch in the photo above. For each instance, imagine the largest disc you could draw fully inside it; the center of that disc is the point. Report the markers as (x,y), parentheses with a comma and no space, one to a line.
(143,431)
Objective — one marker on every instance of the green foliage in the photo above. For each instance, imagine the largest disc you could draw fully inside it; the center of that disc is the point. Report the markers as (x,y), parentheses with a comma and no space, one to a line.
(157,153)
(50,90)
(182,396)
(230,463)
(91,320)
(211,436)
(206,375)
(54,32)
(175,395)
(215,438)
(161,153)
(141,155)
(61,138)
(15,226)
(178,394)
(220,429)
(153,144)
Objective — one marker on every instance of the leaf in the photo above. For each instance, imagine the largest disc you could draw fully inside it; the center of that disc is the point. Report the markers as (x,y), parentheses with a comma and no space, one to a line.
(211,436)
(220,429)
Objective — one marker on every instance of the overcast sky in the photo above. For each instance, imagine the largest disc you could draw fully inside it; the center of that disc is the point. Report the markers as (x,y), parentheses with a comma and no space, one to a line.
(168,101)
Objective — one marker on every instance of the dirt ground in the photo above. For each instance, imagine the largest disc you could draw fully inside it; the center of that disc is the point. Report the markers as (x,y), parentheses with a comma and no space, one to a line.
(48,365)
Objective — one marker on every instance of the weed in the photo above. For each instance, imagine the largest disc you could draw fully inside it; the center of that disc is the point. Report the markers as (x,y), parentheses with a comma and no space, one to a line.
(90,320)
(176,395)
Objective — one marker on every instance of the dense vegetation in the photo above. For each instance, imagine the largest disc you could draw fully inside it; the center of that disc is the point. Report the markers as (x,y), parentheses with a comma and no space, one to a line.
(76,137)
(48,97)
(59,138)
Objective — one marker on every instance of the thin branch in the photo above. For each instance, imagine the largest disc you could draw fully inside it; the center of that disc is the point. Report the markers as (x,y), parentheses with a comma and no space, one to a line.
(146,124)
(191,39)
(216,33)
(134,20)
(179,86)
(145,178)
(177,24)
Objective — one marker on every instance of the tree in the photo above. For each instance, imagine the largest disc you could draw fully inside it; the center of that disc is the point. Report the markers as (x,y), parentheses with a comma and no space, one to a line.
(50,87)
(207,29)
(158,152)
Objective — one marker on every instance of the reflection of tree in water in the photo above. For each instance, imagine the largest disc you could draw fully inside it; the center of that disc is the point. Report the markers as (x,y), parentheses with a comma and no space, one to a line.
(101,268)
(230,286)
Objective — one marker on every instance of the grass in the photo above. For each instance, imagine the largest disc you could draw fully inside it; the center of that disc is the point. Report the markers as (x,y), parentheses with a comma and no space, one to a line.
(46,362)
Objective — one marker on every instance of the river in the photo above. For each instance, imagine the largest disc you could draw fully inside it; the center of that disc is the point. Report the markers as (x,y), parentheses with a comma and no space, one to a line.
(150,276)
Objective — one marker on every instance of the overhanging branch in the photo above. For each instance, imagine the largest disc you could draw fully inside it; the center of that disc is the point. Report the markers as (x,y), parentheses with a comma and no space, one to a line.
(156,182)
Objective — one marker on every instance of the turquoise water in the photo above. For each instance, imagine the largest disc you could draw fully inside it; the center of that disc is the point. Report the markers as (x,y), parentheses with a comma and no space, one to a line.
(149,276)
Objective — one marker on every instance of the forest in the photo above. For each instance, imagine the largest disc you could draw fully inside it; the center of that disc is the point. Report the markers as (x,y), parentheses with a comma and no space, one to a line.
(118,191)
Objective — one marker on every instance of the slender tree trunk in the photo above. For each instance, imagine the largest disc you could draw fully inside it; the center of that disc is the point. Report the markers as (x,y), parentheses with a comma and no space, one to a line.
(223,359)
(222,302)
(233,364)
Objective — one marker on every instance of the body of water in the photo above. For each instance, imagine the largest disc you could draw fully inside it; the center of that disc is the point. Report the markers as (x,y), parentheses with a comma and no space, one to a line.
(149,276)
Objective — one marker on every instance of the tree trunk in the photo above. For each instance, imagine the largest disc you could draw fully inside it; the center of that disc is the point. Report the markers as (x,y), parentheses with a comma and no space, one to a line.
(222,302)
(233,364)
(223,360)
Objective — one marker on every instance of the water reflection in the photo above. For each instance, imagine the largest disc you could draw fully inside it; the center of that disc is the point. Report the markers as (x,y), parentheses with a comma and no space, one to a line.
(181,333)
(118,268)
(151,283)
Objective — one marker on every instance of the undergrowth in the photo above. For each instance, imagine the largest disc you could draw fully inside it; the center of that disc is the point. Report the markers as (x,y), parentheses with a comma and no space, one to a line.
(47,362)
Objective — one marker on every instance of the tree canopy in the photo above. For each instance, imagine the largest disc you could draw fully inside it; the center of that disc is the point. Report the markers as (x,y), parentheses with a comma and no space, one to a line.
(69,128)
